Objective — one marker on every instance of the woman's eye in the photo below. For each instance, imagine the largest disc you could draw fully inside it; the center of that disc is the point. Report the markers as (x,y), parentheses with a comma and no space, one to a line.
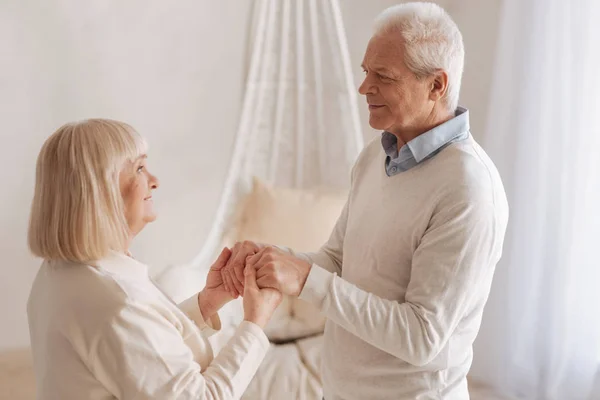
(140,168)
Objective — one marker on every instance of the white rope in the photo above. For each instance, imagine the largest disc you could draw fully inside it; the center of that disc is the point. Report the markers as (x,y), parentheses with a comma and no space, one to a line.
(334,50)
(263,84)
(351,90)
(253,36)
(318,83)
(283,86)
(300,90)
(266,108)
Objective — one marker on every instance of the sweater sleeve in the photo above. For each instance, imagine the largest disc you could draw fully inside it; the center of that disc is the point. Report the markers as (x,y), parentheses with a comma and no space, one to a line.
(450,266)
(141,355)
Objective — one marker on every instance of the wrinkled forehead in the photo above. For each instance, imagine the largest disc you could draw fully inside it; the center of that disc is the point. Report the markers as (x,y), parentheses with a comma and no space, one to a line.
(384,50)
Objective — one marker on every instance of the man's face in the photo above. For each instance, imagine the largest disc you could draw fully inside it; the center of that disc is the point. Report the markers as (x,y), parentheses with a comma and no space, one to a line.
(398,101)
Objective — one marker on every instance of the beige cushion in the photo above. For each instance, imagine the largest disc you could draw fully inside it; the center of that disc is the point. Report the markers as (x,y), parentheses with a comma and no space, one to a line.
(296,218)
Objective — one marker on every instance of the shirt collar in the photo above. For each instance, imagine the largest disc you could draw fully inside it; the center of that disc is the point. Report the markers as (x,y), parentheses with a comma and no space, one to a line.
(121,264)
(427,143)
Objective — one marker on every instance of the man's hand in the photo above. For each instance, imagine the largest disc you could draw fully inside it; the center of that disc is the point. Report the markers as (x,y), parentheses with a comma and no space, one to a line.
(279,270)
(214,295)
(233,273)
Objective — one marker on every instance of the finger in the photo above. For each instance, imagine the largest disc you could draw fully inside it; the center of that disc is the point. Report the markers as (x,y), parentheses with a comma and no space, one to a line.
(234,285)
(222,259)
(234,252)
(236,273)
(236,247)
(251,246)
(250,278)
(229,285)
(246,249)
(239,274)
(267,281)
(238,260)
(263,270)
(255,259)
(236,282)
(241,253)
(225,285)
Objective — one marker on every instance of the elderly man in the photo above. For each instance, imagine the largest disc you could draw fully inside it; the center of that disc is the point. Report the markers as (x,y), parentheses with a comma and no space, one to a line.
(406,273)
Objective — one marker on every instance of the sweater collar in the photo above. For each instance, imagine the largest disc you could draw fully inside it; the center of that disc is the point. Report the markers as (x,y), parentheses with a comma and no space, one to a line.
(122,265)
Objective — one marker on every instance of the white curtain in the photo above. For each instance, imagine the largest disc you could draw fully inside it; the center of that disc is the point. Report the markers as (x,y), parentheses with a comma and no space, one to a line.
(540,338)
(299,126)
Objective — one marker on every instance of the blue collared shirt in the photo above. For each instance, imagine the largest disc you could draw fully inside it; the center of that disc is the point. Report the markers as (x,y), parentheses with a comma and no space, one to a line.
(425,145)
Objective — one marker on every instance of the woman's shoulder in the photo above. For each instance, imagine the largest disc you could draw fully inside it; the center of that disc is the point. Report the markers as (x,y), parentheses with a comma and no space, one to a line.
(67,288)
(85,304)
(84,294)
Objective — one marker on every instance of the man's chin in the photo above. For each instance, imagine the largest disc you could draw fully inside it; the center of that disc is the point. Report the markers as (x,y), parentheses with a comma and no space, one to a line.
(377,123)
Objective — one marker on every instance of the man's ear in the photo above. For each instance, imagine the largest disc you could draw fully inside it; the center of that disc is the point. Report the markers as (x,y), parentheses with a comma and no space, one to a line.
(439,85)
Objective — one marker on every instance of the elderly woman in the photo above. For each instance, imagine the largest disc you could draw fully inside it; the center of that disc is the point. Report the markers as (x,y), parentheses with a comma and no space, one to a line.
(100,329)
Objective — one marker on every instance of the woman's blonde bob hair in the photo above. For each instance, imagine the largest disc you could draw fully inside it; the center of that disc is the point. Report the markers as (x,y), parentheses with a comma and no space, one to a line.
(77,212)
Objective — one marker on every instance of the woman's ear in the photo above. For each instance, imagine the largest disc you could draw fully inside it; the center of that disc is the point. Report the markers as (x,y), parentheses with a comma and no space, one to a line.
(439,85)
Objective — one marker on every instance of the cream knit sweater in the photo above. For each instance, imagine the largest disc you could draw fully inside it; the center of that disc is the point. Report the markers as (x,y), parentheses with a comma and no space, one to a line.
(404,278)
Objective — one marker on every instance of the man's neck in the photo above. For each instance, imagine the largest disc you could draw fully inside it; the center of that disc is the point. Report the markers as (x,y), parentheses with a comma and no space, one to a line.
(434,119)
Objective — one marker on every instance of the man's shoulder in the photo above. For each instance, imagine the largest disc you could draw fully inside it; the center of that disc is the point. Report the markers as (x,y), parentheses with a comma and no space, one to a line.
(465,168)
(466,160)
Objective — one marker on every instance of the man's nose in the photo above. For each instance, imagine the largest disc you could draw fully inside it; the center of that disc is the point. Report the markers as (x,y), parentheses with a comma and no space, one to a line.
(366,86)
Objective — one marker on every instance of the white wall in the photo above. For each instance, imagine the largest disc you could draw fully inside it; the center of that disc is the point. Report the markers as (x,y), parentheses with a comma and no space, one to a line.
(478,22)
(175,71)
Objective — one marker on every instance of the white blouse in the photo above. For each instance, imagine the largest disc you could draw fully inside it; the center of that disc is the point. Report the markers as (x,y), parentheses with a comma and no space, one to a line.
(107,332)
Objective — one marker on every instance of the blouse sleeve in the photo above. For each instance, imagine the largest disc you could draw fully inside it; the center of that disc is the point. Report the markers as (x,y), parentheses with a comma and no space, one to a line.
(140,354)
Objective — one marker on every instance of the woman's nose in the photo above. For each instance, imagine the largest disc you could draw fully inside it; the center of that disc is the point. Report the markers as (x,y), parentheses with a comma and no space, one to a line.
(154,182)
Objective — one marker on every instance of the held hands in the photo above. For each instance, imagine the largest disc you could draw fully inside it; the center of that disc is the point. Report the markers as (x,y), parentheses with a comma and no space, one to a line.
(214,295)
(233,272)
(279,270)
(260,273)
(274,268)
(259,304)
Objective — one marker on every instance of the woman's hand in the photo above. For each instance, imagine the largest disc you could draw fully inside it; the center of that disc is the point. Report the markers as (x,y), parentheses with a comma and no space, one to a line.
(214,295)
(233,273)
(259,304)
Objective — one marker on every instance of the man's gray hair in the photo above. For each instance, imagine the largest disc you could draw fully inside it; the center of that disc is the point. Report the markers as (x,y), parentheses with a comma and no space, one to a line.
(432,42)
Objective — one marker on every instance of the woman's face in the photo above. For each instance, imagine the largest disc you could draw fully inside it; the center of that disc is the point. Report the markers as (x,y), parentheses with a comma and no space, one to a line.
(137,184)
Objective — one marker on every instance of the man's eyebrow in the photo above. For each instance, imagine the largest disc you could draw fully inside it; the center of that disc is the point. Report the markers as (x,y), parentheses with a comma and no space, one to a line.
(377,69)
(383,69)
